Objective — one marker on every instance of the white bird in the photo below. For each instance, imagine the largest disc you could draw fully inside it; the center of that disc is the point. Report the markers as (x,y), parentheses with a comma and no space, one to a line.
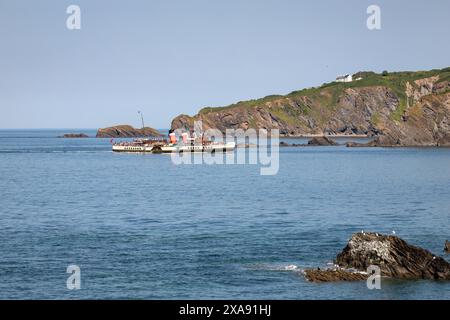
(393,231)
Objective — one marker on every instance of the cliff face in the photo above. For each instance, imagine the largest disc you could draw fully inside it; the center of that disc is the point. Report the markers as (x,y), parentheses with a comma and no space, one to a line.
(427,123)
(126,131)
(403,108)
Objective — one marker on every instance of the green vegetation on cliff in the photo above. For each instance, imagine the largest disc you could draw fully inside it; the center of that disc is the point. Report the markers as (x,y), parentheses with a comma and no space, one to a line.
(329,93)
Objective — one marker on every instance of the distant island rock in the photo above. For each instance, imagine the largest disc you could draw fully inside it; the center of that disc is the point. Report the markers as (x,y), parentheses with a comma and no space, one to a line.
(394,256)
(127,131)
(399,109)
(74,135)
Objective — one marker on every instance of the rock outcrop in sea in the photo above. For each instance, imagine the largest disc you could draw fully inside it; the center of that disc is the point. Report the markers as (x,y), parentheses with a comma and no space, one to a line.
(127,131)
(286,144)
(322,141)
(314,142)
(399,108)
(447,246)
(73,135)
(395,257)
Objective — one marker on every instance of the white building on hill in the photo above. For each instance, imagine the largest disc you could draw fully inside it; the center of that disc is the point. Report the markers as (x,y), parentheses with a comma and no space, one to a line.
(345,78)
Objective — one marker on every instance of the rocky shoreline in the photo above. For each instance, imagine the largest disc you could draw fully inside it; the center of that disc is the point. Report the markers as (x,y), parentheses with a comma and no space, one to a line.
(387,142)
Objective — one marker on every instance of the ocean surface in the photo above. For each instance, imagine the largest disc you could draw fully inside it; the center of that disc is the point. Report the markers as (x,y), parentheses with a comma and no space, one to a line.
(139,226)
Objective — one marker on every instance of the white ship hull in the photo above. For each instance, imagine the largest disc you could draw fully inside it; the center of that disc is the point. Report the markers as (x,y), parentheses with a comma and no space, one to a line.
(214,147)
(119,148)
(219,147)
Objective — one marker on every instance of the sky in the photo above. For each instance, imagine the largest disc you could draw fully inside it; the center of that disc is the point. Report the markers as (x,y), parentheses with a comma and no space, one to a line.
(167,57)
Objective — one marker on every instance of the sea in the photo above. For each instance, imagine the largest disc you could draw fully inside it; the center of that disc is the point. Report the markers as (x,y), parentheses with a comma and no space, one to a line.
(139,226)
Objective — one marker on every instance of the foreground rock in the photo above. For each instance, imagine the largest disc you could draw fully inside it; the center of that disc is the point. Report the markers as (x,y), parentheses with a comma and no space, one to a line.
(126,131)
(447,246)
(395,257)
(74,135)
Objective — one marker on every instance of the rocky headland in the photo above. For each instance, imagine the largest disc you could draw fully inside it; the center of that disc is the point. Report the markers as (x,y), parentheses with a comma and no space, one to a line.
(399,109)
(127,131)
(395,257)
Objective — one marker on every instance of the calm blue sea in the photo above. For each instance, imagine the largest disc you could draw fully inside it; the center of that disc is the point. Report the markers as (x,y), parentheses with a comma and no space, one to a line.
(141,227)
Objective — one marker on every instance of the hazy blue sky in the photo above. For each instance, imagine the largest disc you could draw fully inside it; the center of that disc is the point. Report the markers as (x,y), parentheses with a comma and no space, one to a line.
(170,57)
